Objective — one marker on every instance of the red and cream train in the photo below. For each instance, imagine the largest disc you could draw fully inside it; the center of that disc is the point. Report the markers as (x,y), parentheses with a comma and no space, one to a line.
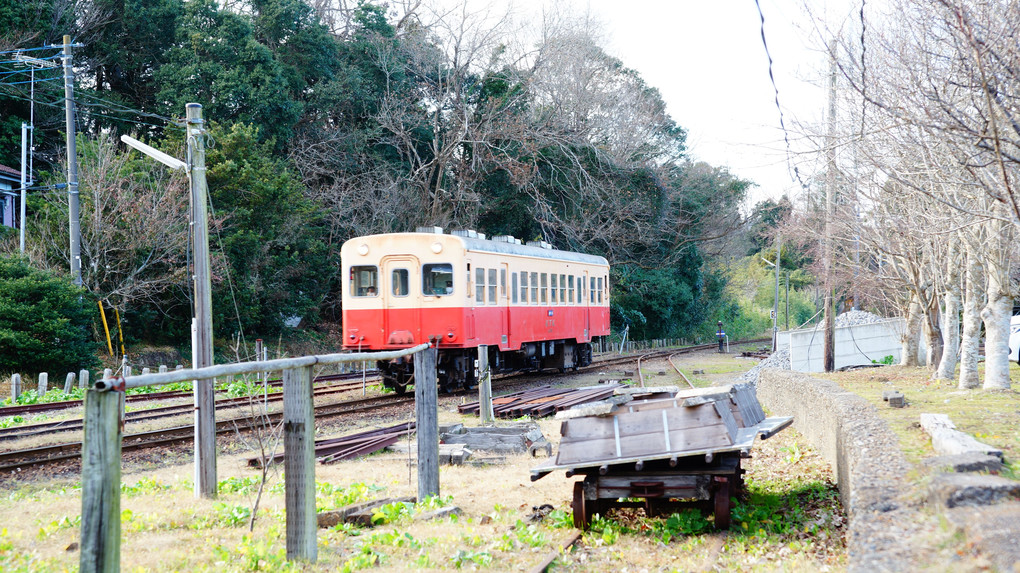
(533,306)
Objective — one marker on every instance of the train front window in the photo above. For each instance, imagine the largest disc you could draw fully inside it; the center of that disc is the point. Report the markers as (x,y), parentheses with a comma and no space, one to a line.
(555,288)
(545,288)
(437,279)
(364,281)
(400,281)
(570,289)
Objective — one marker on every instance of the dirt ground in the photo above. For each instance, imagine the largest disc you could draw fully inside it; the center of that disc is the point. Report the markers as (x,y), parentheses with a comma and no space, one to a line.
(791,521)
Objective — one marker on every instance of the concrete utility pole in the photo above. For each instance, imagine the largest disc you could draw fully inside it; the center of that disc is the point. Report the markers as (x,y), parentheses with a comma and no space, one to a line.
(24,181)
(775,307)
(72,165)
(202,349)
(829,351)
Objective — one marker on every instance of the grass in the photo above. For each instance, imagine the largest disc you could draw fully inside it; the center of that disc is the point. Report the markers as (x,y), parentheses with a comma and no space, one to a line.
(992,417)
(790,520)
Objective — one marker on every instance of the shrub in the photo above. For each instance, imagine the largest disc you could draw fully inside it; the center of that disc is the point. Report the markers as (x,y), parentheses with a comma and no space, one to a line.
(45,321)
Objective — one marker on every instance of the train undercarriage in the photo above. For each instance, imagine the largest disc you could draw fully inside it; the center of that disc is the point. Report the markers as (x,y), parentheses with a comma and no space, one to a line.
(457,366)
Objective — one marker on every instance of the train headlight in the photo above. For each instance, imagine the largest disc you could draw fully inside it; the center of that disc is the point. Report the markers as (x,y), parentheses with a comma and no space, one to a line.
(362,250)
(450,335)
(354,337)
(437,247)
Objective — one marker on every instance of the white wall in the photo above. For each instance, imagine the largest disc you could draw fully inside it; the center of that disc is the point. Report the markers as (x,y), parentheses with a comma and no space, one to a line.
(854,345)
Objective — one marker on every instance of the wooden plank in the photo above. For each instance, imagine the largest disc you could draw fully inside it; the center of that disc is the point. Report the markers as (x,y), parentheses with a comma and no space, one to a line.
(724,412)
(638,422)
(707,437)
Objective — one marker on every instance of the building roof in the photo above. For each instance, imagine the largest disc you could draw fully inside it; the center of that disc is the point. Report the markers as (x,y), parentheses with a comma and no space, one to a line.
(9,172)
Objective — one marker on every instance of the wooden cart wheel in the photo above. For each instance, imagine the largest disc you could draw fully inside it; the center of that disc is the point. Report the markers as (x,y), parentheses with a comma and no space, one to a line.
(722,502)
(581,515)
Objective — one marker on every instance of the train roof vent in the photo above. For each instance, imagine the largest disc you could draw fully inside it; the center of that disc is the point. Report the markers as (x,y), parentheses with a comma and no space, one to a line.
(540,244)
(466,233)
(506,239)
(429,230)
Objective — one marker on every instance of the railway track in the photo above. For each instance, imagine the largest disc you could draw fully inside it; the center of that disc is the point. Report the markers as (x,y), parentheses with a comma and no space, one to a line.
(25,431)
(18,460)
(20,409)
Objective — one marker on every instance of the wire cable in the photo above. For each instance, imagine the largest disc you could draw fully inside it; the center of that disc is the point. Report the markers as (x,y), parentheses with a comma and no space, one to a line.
(782,123)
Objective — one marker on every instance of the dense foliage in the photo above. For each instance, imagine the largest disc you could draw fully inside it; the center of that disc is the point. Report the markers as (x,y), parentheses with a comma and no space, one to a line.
(331,122)
(45,322)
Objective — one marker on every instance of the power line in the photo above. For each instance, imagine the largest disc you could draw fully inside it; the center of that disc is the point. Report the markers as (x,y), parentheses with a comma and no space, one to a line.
(19,50)
(782,123)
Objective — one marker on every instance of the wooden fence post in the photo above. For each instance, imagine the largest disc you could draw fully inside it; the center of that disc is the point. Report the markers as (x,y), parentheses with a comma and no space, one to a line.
(426,406)
(485,386)
(100,483)
(43,383)
(15,387)
(83,379)
(69,382)
(299,464)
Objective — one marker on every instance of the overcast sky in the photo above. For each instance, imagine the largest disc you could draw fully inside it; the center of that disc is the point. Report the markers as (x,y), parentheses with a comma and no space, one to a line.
(707,59)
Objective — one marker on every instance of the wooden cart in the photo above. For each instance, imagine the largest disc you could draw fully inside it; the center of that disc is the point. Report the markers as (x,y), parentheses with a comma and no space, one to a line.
(680,450)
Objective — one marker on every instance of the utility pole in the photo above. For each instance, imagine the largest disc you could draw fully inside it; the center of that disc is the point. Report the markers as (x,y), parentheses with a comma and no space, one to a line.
(775,307)
(72,166)
(202,350)
(24,181)
(829,358)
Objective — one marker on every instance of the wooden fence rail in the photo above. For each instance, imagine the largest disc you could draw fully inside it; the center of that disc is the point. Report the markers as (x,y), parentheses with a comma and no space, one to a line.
(101,448)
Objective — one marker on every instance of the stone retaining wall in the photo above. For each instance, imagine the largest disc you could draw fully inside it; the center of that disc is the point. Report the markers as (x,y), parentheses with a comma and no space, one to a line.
(871,471)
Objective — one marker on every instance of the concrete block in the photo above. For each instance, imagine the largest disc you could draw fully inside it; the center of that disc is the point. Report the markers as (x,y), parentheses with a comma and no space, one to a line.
(348,513)
(441,513)
(955,490)
(965,462)
(895,399)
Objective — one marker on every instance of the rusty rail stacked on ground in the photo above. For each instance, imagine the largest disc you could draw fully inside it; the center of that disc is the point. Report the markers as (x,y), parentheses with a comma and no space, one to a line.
(350,446)
(542,401)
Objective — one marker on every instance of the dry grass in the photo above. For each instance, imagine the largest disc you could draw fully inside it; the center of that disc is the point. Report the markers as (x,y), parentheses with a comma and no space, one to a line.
(792,522)
(993,417)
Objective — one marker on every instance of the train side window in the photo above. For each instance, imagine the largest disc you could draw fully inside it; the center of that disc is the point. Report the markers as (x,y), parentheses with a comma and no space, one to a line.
(492,286)
(480,285)
(502,283)
(555,288)
(570,289)
(545,288)
(437,279)
(513,287)
(524,288)
(591,291)
(534,288)
(600,290)
(563,289)
(400,282)
(364,280)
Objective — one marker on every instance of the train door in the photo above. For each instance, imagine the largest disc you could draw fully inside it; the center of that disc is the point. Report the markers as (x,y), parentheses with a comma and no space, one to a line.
(584,292)
(401,301)
(504,305)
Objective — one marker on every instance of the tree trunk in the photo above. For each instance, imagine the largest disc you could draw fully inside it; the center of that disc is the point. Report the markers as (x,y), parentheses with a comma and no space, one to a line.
(911,334)
(950,333)
(971,339)
(996,316)
(933,334)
